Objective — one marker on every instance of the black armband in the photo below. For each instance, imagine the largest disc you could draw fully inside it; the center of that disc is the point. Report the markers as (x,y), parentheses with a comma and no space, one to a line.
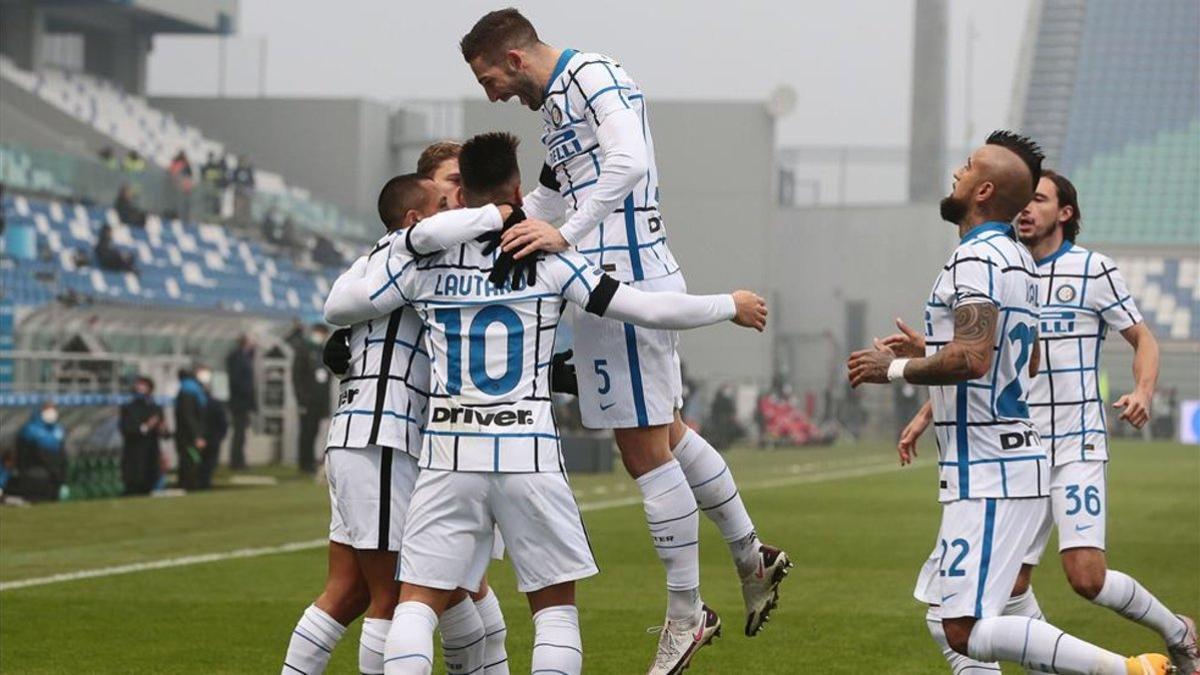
(602,295)
(548,179)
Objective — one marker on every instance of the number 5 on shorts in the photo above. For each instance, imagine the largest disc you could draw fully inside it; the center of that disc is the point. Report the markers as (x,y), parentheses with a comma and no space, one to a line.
(599,366)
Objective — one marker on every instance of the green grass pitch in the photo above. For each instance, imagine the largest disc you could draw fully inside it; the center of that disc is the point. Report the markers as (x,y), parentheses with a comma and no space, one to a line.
(857,526)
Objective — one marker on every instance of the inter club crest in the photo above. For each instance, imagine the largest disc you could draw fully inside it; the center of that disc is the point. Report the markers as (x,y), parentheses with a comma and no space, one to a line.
(1065,294)
(556,115)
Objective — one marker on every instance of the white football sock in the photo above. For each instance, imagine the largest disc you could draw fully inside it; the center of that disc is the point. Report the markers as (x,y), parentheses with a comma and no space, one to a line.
(557,647)
(312,643)
(1025,605)
(959,664)
(717,496)
(1124,595)
(495,657)
(674,522)
(371,645)
(409,649)
(1038,645)
(462,638)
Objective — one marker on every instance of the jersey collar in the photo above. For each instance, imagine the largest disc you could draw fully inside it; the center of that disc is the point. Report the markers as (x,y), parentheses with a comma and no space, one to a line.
(1066,246)
(984,228)
(559,67)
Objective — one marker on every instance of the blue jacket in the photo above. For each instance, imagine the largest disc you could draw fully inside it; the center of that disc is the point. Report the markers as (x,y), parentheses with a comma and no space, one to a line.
(38,434)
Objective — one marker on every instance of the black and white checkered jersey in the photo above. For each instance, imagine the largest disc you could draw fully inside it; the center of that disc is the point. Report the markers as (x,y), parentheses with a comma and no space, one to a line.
(584,90)
(1082,294)
(988,446)
(383,398)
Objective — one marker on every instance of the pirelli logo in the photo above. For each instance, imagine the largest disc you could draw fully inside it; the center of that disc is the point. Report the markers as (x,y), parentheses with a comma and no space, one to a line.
(479,418)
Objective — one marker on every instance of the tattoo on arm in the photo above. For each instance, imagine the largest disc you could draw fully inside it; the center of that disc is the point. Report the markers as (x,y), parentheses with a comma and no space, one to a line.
(964,358)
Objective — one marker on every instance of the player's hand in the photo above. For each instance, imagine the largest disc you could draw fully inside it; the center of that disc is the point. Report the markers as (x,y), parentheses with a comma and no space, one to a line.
(201,444)
(907,344)
(751,310)
(514,274)
(336,352)
(562,374)
(870,366)
(530,236)
(907,446)
(1135,408)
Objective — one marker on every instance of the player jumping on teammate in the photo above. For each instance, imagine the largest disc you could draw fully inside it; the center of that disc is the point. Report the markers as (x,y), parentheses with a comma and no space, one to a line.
(600,175)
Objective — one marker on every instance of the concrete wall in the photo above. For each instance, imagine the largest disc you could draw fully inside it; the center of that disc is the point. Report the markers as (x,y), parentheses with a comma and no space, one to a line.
(716,170)
(339,149)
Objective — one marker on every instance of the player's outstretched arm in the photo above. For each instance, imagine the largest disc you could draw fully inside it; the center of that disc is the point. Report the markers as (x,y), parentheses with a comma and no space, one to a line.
(545,202)
(450,228)
(967,357)
(1135,406)
(680,311)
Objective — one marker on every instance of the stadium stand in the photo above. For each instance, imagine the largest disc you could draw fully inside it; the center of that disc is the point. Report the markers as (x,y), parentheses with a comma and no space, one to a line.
(1114,98)
(183,265)
(131,122)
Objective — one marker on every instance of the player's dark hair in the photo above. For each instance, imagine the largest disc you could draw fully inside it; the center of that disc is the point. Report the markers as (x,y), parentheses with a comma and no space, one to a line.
(1024,147)
(496,33)
(1067,196)
(398,196)
(488,164)
(433,156)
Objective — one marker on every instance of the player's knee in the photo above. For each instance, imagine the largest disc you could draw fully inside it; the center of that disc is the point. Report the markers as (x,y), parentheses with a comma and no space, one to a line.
(958,634)
(1087,582)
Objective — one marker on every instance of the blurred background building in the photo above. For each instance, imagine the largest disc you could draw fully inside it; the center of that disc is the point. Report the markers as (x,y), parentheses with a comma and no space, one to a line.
(231,215)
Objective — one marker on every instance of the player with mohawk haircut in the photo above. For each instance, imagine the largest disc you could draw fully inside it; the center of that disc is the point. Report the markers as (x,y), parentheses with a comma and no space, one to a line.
(979,356)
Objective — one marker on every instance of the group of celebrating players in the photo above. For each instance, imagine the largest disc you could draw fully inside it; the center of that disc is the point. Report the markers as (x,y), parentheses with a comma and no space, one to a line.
(443,453)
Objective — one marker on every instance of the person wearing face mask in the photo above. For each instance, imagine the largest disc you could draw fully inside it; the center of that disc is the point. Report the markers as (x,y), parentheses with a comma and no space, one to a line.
(190,427)
(41,456)
(142,428)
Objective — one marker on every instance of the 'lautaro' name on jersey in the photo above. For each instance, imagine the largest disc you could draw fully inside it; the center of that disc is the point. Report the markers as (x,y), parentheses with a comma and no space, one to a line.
(468,285)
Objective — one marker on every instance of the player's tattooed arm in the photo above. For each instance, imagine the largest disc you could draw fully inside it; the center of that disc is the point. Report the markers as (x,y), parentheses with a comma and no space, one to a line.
(1035,359)
(968,356)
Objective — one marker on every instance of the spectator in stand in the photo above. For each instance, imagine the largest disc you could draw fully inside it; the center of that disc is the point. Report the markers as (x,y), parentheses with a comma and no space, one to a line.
(111,257)
(41,457)
(214,178)
(310,381)
(134,163)
(108,158)
(181,171)
(127,208)
(325,253)
(243,401)
(243,176)
(142,429)
(216,427)
(190,436)
(243,192)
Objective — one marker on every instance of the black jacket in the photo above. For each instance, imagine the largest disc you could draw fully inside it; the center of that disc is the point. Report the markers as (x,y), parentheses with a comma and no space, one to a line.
(134,414)
(190,416)
(240,367)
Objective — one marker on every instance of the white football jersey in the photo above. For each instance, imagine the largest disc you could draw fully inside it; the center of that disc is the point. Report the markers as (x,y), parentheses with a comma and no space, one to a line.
(987,443)
(490,408)
(383,397)
(630,243)
(1081,294)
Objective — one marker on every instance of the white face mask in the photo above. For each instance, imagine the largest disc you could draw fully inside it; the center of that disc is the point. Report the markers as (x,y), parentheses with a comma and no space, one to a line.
(204,377)
(50,415)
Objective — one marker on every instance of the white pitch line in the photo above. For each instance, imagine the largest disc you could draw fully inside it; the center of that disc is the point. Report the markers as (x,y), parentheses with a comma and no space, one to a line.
(166,563)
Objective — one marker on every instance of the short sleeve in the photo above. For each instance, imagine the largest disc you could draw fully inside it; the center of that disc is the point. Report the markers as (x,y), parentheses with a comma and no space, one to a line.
(973,275)
(598,91)
(1108,295)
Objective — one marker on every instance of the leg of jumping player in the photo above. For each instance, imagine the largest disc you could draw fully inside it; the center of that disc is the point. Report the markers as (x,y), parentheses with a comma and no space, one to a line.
(379,571)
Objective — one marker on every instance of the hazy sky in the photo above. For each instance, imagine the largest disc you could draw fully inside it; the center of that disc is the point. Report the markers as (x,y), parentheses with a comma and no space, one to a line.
(849,61)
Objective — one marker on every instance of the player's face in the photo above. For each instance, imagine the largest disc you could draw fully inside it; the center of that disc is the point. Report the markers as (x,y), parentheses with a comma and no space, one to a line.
(1039,218)
(954,207)
(448,181)
(435,200)
(501,81)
